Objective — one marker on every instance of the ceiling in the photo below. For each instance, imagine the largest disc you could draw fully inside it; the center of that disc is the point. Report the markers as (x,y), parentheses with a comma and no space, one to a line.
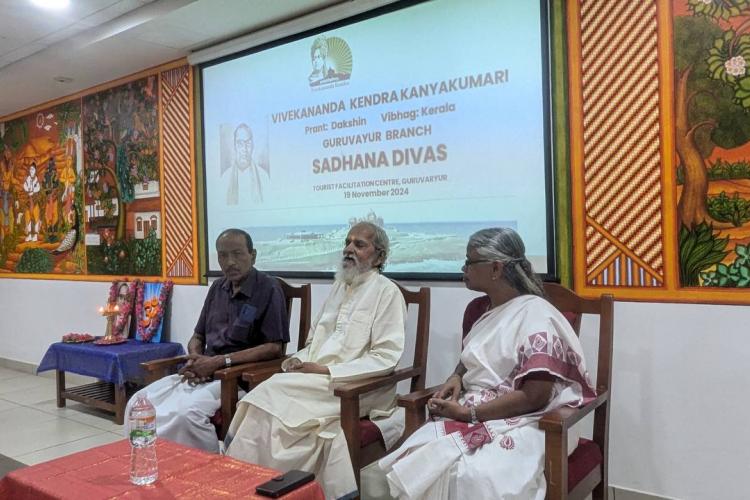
(96,41)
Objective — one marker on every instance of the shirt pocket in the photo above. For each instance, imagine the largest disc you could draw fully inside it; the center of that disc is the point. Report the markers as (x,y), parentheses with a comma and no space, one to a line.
(239,331)
(356,334)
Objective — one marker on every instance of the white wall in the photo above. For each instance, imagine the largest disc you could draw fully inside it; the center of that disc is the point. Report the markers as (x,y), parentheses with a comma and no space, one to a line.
(679,385)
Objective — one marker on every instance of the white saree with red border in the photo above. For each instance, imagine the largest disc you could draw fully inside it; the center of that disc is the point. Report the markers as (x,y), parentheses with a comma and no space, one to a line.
(504,458)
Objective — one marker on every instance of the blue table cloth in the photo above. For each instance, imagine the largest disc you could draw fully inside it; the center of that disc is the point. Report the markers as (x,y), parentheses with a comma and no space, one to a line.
(114,363)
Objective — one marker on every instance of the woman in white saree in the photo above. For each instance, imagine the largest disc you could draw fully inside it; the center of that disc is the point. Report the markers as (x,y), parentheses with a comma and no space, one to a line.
(520,360)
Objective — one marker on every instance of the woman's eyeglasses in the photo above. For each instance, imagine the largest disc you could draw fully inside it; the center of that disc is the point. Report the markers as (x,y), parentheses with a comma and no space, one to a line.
(469,262)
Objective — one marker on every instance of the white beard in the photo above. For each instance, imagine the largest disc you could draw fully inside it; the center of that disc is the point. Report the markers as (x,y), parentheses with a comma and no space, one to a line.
(349,274)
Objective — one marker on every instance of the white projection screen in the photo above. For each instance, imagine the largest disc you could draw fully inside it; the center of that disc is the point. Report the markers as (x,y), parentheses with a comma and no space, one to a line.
(428,118)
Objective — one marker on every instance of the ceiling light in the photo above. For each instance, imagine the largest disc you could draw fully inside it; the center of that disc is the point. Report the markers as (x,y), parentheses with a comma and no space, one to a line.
(51,4)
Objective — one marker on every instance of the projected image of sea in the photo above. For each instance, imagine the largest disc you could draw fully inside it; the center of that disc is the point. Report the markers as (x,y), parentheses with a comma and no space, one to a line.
(415,247)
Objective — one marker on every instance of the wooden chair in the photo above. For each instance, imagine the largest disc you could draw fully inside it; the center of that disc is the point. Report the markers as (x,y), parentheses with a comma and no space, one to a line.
(362,436)
(365,443)
(230,376)
(584,472)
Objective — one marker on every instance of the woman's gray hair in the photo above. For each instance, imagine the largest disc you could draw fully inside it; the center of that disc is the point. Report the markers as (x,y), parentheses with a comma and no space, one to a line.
(503,244)
(379,240)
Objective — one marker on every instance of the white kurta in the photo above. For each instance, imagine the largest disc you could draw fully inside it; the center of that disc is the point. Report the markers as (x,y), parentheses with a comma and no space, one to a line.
(524,335)
(292,421)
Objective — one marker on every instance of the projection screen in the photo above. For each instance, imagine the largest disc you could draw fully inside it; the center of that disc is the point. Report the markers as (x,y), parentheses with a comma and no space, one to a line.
(430,119)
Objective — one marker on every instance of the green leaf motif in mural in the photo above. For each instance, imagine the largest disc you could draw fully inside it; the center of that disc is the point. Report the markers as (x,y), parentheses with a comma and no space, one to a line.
(734,209)
(148,255)
(34,260)
(734,275)
(728,58)
(717,9)
(700,249)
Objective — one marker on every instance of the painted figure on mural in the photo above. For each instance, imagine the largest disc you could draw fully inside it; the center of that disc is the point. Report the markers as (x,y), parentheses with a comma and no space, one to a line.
(51,213)
(50,176)
(6,203)
(68,180)
(31,214)
(51,209)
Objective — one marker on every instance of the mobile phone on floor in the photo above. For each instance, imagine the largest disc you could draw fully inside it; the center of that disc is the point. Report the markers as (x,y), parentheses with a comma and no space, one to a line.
(283,484)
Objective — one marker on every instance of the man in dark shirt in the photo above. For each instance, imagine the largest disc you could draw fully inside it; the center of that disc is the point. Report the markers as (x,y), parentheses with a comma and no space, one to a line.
(244,319)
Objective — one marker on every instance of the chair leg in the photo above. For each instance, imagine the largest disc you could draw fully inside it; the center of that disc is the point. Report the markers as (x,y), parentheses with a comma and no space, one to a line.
(350,426)
(601,492)
(228,405)
(556,465)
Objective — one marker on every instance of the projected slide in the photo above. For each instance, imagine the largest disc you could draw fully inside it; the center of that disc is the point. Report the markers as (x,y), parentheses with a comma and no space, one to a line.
(427,120)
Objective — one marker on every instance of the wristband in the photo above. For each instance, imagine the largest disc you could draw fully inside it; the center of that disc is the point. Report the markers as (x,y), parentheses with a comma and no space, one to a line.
(473,413)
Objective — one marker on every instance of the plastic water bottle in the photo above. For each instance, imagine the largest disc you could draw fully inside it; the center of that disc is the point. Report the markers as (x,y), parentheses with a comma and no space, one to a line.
(142,432)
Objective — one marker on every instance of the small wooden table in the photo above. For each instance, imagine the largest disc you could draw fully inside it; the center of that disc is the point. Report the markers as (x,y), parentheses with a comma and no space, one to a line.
(114,366)
(104,472)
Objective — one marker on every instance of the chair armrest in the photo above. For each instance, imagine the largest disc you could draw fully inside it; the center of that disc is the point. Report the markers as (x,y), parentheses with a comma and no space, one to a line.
(417,399)
(160,364)
(355,389)
(237,370)
(255,377)
(563,419)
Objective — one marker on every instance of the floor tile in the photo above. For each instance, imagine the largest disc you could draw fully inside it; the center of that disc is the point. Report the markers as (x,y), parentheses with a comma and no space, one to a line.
(23,415)
(68,448)
(5,404)
(24,382)
(8,373)
(31,396)
(28,438)
(79,412)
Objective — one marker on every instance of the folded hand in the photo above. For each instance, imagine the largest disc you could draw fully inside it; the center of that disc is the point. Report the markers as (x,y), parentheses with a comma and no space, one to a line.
(450,390)
(307,367)
(448,409)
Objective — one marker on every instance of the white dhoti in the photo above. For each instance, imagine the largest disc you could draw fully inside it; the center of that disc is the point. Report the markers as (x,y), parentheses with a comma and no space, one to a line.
(183,412)
(305,433)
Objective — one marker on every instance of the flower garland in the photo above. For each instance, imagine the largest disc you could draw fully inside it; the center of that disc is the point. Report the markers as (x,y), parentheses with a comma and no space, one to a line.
(125,306)
(147,329)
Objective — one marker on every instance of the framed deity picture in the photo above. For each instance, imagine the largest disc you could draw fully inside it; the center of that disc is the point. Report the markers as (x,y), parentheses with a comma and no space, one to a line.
(122,298)
(152,300)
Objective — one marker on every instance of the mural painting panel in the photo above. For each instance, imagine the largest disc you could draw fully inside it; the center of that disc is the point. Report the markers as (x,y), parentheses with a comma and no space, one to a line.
(40,192)
(712,141)
(122,186)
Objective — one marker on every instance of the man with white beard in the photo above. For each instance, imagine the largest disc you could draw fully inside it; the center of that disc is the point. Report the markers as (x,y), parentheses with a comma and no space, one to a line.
(293,420)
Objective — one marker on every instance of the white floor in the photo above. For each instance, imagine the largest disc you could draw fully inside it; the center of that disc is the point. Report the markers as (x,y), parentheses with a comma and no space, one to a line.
(34,430)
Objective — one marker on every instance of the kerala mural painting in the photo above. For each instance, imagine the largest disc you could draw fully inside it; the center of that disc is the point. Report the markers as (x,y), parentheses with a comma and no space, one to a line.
(40,192)
(122,192)
(712,141)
